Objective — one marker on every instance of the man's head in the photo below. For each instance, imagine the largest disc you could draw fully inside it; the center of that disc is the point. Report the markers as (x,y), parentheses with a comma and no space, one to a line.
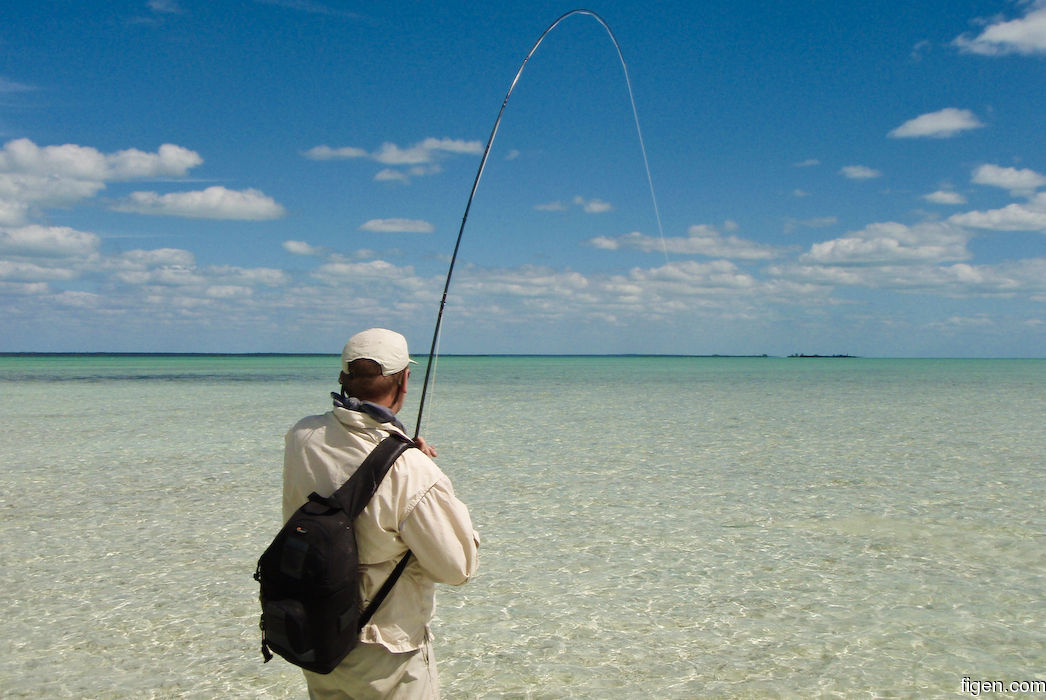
(375,366)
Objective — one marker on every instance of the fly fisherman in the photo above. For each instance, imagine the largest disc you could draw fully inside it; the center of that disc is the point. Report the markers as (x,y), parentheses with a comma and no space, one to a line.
(413,509)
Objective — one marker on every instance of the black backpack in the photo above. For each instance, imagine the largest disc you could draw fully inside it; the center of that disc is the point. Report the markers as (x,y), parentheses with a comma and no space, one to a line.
(309,575)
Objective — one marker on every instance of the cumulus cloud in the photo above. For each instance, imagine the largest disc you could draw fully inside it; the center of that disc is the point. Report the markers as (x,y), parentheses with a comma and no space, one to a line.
(391,175)
(589,206)
(956,280)
(701,240)
(169,273)
(33,178)
(18,271)
(1024,35)
(418,159)
(1014,217)
(156,258)
(232,274)
(85,163)
(945,197)
(1017,181)
(47,241)
(328,153)
(944,124)
(593,206)
(397,226)
(859,172)
(301,248)
(892,243)
(215,202)
(341,272)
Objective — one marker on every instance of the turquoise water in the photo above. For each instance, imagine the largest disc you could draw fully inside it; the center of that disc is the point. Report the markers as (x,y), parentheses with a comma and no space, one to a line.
(652,527)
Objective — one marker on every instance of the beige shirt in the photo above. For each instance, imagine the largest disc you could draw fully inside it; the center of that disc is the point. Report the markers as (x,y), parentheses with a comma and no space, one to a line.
(414,508)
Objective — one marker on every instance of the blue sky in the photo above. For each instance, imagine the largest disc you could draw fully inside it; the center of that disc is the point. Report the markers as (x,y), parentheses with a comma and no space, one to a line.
(273,175)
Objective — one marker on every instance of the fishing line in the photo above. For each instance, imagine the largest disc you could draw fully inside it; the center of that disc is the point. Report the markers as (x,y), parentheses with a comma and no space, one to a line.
(483,165)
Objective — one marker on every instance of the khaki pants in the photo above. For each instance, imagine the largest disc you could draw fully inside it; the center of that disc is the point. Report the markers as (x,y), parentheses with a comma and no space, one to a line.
(372,672)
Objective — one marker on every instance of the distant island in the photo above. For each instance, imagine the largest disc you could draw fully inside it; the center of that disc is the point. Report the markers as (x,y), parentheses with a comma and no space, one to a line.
(830,356)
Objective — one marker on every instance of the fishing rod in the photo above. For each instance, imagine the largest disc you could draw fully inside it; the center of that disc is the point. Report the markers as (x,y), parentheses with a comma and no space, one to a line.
(483,164)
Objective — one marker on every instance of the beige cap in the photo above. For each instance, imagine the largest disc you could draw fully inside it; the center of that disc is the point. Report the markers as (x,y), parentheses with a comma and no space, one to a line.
(387,348)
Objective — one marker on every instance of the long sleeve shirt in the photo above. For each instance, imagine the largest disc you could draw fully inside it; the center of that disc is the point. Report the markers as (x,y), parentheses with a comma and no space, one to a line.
(414,508)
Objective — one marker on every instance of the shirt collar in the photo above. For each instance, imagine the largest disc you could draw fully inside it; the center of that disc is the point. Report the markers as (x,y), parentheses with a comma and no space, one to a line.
(376,411)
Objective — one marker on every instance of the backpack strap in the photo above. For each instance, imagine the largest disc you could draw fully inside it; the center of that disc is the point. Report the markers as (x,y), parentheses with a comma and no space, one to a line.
(386,587)
(355,493)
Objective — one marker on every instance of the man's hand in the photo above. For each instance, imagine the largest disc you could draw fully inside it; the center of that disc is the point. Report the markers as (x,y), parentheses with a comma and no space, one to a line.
(425,447)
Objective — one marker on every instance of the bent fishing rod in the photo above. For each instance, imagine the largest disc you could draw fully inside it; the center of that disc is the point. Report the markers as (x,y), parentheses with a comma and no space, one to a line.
(479,175)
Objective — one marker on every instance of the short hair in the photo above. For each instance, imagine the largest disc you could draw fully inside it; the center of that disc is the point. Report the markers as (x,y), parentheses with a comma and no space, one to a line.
(365,381)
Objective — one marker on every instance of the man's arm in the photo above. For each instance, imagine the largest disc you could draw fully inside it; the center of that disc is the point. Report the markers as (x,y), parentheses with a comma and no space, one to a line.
(439,532)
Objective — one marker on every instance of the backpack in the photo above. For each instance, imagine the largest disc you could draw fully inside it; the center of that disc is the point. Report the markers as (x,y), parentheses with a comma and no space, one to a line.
(309,575)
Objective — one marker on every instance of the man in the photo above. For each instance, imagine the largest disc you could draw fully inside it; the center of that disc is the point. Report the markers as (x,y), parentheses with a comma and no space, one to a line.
(413,509)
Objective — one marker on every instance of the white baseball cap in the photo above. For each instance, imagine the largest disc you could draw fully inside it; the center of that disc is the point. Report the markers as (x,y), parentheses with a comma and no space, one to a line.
(387,348)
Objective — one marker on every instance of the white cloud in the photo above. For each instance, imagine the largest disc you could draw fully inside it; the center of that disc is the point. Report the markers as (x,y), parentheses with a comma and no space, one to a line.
(474,148)
(301,248)
(157,257)
(593,206)
(338,272)
(198,281)
(215,202)
(589,206)
(940,125)
(228,291)
(859,172)
(957,280)
(231,274)
(47,241)
(34,177)
(166,276)
(31,272)
(328,153)
(808,163)
(85,163)
(419,159)
(1022,181)
(21,194)
(27,289)
(945,197)
(425,151)
(892,243)
(702,240)
(814,222)
(1025,35)
(964,322)
(390,175)
(397,226)
(1014,217)
(80,300)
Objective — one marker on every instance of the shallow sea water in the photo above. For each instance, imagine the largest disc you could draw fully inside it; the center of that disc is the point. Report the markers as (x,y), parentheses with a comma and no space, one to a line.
(652,527)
